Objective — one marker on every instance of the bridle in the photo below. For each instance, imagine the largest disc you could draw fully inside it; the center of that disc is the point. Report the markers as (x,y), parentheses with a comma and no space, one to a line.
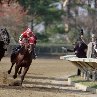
(27,45)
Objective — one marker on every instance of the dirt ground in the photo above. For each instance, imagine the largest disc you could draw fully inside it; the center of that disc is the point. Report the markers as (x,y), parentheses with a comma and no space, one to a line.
(45,78)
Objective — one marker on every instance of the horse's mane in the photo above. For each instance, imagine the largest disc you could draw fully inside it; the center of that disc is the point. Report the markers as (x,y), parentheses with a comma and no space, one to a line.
(8,37)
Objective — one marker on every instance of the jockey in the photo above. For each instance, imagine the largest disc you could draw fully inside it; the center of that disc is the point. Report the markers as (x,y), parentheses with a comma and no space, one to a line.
(30,36)
(28,33)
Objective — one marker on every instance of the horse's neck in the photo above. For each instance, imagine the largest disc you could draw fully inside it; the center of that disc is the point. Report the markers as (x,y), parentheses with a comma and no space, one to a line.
(1,44)
(26,56)
(25,52)
(22,51)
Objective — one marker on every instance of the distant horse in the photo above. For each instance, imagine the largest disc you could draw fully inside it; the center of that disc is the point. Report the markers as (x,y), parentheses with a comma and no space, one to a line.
(4,41)
(22,59)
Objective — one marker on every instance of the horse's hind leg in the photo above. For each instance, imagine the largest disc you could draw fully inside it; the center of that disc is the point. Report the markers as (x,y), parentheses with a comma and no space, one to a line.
(16,71)
(9,71)
(24,73)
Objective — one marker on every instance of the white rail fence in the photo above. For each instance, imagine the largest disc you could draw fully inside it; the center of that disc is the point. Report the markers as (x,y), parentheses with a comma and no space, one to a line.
(88,66)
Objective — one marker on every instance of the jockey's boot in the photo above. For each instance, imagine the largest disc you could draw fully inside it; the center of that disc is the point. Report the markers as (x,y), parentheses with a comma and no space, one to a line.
(34,55)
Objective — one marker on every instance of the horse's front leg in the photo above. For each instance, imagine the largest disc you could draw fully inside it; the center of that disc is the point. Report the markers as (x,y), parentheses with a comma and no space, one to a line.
(16,71)
(20,70)
(9,71)
(24,73)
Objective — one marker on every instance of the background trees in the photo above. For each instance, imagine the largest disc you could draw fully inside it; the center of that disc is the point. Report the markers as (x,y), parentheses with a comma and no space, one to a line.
(61,24)
(43,11)
(12,16)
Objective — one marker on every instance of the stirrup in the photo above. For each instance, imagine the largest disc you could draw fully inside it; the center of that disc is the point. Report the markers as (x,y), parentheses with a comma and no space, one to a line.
(34,57)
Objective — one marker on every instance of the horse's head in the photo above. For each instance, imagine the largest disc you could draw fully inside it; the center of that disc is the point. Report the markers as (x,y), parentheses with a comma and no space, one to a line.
(27,47)
(4,36)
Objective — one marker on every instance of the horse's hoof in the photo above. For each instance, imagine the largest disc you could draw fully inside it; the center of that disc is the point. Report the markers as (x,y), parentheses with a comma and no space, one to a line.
(14,76)
(9,71)
(15,84)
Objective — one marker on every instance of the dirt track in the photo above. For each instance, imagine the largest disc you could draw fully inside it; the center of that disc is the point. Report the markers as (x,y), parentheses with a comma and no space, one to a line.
(45,78)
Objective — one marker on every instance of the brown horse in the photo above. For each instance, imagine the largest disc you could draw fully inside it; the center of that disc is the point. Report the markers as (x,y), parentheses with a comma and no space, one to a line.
(22,59)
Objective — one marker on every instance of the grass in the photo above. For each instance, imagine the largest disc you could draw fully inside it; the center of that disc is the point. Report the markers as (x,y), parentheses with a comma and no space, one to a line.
(78,79)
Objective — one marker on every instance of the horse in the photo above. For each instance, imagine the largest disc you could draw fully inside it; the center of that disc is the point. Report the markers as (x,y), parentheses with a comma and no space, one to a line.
(22,59)
(4,41)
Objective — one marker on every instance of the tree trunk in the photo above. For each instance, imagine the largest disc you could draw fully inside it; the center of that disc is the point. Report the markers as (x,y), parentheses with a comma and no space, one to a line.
(30,25)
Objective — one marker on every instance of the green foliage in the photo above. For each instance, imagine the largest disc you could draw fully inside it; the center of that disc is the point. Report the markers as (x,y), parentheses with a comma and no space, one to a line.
(56,28)
(42,37)
(42,10)
(37,7)
(80,80)
(73,34)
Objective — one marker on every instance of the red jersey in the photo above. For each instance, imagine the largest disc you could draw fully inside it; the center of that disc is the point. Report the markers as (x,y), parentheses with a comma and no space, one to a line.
(25,35)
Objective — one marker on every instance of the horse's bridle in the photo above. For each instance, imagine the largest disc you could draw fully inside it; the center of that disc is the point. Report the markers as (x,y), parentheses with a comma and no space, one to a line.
(27,45)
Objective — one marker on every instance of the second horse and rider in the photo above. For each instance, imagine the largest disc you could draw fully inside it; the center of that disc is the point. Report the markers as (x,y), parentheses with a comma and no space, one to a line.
(82,50)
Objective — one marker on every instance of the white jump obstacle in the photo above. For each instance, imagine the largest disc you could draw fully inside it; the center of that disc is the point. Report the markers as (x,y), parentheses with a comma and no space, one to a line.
(88,66)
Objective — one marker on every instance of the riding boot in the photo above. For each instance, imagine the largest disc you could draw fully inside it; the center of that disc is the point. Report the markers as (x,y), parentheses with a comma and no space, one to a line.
(34,54)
